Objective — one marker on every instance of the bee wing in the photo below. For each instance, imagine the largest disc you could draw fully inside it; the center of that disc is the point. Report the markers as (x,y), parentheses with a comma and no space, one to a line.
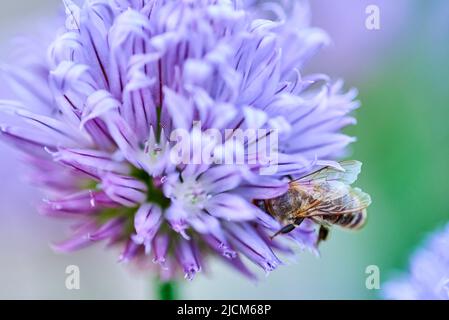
(327,190)
(348,174)
(320,193)
(348,212)
(354,201)
(330,190)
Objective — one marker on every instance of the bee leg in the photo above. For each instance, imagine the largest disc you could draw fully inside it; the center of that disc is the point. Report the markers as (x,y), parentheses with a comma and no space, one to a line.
(323,233)
(288,228)
(298,222)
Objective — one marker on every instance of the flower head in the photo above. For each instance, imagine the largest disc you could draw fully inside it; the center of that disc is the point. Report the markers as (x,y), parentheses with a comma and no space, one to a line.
(98,123)
(428,276)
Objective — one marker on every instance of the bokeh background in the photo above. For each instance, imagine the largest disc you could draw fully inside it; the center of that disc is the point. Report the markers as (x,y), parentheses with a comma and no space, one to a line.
(401,72)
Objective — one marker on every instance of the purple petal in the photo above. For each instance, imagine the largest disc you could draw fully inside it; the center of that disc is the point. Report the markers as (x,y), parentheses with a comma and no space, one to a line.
(130,251)
(98,105)
(179,108)
(247,241)
(70,76)
(161,244)
(125,190)
(60,131)
(266,220)
(176,216)
(95,19)
(204,223)
(31,139)
(102,104)
(322,146)
(147,222)
(188,257)
(84,202)
(305,236)
(89,233)
(230,207)
(92,161)
(73,244)
(261,187)
(221,246)
(23,83)
(221,178)
(110,229)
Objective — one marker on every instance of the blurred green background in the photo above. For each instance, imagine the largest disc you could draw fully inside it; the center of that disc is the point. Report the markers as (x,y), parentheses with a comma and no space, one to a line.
(403,134)
(401,72)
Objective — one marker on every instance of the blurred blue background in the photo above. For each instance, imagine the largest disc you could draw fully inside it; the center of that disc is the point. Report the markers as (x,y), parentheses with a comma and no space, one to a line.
(401,71)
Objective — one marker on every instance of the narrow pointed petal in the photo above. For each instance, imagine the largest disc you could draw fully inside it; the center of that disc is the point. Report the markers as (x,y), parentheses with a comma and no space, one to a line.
(160,248)
(146,223)
(230,207)
(85,202)
(246,240)
(261,187)
(221,178)
(125,190)
(221,246)
(188,257)
(95,162)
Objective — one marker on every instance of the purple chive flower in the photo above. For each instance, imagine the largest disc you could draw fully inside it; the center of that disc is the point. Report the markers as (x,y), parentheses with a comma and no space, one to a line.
(428,276)
(94,122)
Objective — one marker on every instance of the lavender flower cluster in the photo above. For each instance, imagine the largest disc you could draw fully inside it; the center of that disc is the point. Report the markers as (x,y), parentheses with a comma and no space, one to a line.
(93,122)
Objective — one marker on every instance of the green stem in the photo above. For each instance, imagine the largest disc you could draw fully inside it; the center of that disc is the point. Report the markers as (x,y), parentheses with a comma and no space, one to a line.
(168,290)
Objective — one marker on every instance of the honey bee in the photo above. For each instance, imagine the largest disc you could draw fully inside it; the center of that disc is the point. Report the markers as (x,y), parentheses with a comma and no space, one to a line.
(324,196)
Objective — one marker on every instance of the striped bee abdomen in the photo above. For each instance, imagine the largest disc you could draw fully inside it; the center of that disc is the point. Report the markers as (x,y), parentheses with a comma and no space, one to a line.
(354,220)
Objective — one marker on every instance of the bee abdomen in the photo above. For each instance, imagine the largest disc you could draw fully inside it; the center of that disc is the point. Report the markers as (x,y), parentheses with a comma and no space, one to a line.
(354,220)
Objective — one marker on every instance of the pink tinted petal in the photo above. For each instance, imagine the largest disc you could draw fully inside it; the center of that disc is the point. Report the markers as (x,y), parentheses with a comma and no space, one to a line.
(110,229)
(80,239)
(84,202)
(130,251)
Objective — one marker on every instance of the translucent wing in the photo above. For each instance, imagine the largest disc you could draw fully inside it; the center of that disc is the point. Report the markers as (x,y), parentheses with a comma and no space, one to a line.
(354,201)
(348,212)
(315,195)
(348,174)
(328,191)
